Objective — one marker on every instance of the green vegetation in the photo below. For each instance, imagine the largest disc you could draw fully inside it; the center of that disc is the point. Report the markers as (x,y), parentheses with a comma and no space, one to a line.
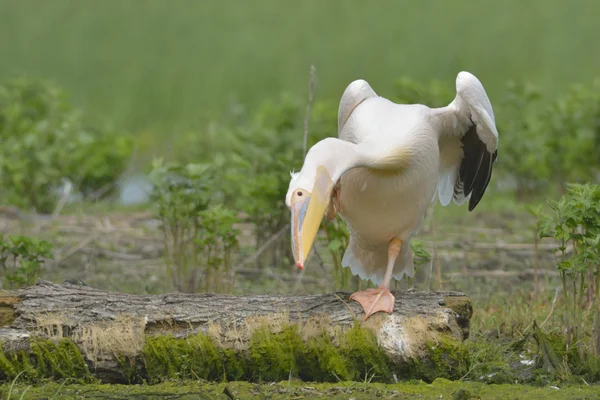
(21,259)
(550,141)
(200,205)
(48,359)
(199,236)
(45,142)
(167,69)
(336,239)
(270,357)
(195,203)
(575,225)
(440,388)
(196,357)
(222,90)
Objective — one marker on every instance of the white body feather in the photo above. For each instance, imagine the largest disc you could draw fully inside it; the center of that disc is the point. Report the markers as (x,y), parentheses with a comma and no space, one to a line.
(380,205)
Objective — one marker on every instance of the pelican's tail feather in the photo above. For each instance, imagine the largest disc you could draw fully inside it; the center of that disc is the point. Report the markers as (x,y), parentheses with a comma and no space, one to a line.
(369,261)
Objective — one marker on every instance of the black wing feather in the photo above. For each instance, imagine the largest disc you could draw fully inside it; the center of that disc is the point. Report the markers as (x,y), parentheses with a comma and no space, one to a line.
(475,168)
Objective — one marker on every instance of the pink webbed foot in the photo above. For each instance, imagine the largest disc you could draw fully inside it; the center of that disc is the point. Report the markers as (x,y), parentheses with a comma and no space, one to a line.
(374,300)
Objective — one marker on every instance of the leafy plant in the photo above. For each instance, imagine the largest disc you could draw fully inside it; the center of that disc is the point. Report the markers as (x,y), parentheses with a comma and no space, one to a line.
(45,142)
(216,242)
(420,255)
(522,139)
(336,239)
(199,237)
(553,143)
(270,146)
(573,131)
(575,226)
(102,158)
(21,259)
(252,159)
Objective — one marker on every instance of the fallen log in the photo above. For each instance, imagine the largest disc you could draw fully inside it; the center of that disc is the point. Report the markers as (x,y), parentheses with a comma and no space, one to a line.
(74,331)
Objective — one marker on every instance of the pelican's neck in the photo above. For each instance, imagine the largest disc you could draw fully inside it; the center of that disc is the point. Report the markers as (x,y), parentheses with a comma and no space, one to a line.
(339,156)
(336,155)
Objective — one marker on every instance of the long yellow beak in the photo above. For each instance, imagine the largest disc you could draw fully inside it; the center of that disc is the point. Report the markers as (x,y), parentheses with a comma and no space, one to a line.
(307,213)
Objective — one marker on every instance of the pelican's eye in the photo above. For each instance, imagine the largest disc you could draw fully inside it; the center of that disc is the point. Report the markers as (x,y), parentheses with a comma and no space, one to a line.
(299,195)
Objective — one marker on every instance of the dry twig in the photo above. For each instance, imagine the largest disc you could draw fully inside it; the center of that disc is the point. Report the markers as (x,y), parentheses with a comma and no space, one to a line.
(311,89)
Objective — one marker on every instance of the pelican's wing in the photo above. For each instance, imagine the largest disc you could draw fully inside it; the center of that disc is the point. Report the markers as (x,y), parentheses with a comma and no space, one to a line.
(468,143)
(356,92)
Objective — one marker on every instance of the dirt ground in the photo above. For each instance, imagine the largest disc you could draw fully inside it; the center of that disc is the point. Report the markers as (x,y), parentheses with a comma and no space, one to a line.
(124,252)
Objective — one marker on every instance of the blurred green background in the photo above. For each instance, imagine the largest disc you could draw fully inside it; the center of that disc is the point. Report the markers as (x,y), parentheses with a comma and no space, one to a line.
(162,67)
(98,98)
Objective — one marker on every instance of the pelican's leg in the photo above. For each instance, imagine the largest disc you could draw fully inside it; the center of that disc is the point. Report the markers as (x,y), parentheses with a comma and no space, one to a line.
(380,299)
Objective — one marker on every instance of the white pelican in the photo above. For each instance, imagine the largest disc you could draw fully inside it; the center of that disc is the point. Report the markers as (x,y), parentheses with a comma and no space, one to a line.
(382,172)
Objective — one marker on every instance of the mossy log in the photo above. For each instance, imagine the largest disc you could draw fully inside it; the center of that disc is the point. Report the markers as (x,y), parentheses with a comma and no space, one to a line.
(73,331)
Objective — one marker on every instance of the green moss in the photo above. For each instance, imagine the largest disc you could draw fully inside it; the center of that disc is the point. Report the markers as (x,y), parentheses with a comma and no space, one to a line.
(128,367)
(365,357)
(447,358)
(462,307)
(272,356)
(234,364)
(7,367)
(275,356)
(166,357)
(7,315)
(462,394)
(47,359)
(440,388)
(323,362)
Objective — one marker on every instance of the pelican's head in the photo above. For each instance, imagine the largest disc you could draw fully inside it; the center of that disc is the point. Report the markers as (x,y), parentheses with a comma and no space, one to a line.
(309,195)
(308,202)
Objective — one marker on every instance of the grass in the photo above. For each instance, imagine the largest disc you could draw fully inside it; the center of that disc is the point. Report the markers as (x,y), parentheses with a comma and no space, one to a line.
(440,388)
(160,68)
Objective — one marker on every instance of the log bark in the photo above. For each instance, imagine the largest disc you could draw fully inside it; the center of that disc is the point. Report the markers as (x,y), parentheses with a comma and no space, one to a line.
(108,327)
